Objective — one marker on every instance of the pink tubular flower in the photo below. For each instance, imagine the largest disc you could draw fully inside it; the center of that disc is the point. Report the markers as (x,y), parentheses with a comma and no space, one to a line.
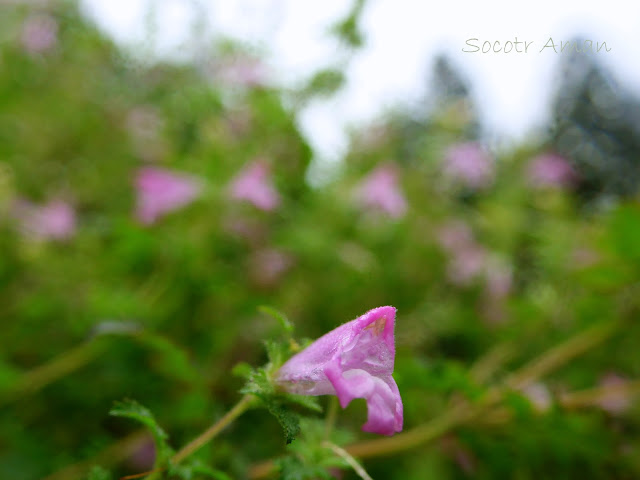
(353,361)
(55,220)
(469,164)
(254,185)
(161,191)
(550,170)
(380,191)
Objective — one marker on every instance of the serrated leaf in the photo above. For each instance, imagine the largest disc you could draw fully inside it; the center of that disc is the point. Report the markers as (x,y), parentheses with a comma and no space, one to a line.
(279,316)
(258,383)
(277,352)
(289,421)
(134,410)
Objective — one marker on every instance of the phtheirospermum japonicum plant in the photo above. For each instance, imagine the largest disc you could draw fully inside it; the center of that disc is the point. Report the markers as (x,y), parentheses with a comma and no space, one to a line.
(355,361)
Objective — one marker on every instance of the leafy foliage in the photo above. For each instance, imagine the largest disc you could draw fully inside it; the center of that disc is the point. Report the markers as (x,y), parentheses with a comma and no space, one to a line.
(485,278)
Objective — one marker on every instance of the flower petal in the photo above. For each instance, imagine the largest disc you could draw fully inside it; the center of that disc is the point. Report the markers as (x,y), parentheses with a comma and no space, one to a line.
(353,361)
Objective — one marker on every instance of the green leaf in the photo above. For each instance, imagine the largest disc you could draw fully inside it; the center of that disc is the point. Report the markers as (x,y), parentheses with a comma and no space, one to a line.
(347,30)
(325,82)
(289,420)
(132,409)
(277,353)
(279,316)
(258,384)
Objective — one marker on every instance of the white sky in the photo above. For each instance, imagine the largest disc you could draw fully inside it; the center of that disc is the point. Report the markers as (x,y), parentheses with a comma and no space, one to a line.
(512,90)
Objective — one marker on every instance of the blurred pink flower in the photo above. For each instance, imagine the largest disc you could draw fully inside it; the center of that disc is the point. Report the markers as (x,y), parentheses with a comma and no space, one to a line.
(469,164)
(454,236)
(550,170)
(268,265)
(539,396)
(55,220)
(244,71)
(616,400)
(353,361)
(380,191)
(467,259)
(161,191)
(466,264)
(39,33)
(254,185)
(144,455)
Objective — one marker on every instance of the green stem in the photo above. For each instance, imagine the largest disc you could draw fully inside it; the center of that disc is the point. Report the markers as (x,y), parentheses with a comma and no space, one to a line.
(206,436)
(332,415)
(561,354)
(353,463)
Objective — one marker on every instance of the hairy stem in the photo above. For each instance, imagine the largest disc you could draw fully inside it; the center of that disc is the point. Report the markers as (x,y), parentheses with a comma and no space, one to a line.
(206,436)
(353,463)
(332,415)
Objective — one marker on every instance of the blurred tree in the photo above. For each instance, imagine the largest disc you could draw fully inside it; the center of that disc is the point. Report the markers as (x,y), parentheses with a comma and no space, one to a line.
(596,124)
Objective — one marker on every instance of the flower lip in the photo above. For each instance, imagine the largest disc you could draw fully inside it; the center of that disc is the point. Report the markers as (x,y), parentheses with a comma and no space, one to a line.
(355,360)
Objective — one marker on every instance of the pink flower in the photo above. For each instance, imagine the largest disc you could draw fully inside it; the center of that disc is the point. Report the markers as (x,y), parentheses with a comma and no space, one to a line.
(353,361)
(467,259)
(243,71)
(55,220)
(469,164)
(539,396)
(254,185)
(466,265)
(161,191)
(550,170)
(143,455)
(455,235)
(39,33)
(380,191)
(268,265)
(615,400)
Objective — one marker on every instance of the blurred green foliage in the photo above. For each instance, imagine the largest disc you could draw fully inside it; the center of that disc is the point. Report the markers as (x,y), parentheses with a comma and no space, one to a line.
(163,313)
